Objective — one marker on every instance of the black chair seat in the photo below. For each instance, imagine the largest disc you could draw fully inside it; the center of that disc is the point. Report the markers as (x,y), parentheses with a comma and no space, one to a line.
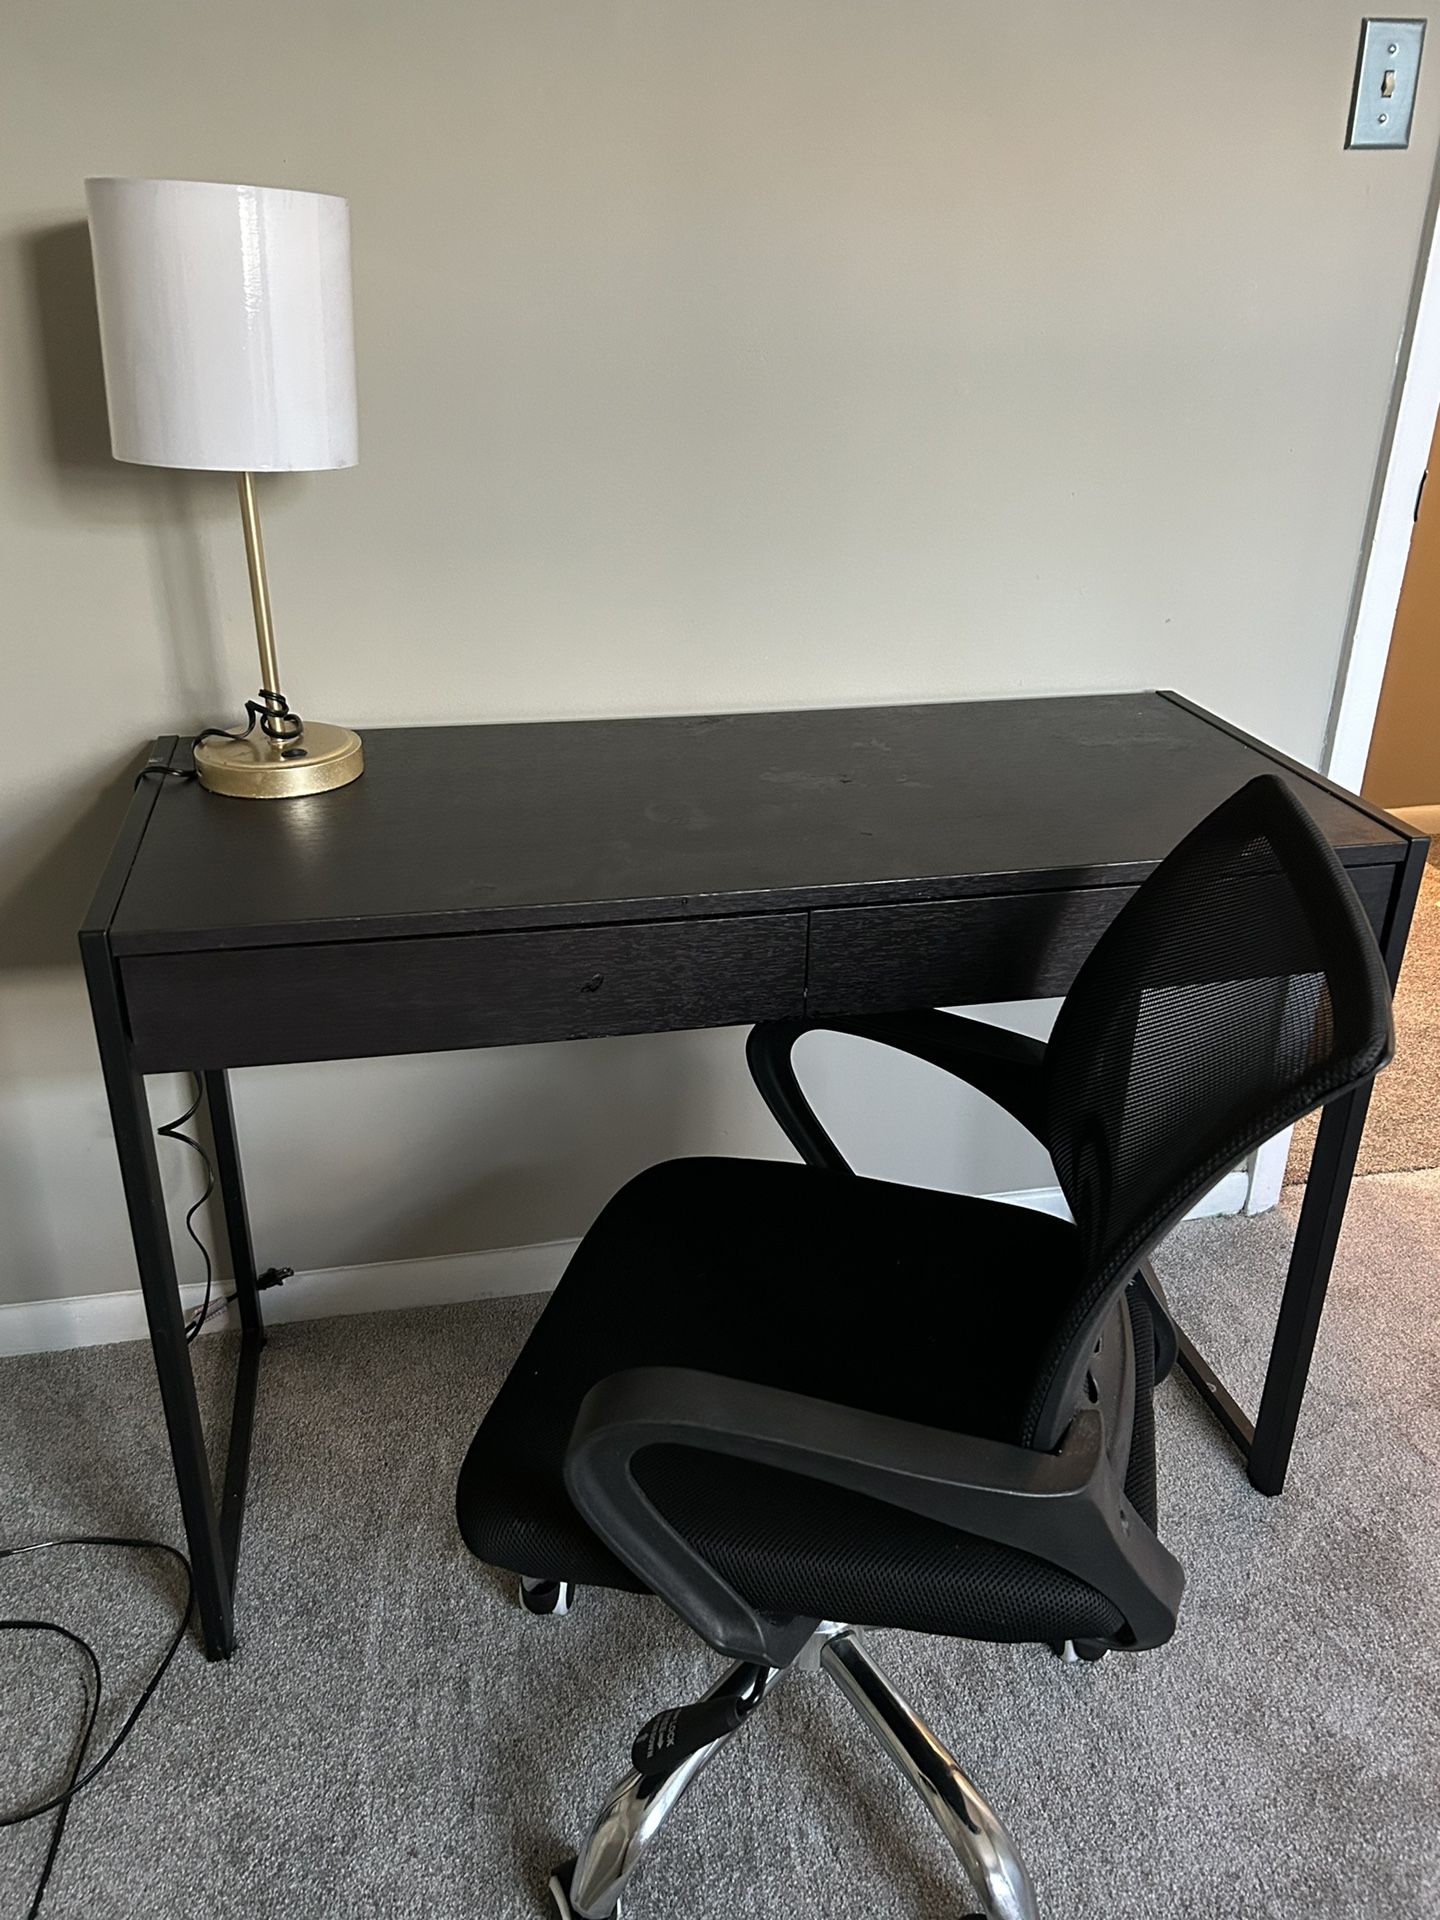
(926,1306)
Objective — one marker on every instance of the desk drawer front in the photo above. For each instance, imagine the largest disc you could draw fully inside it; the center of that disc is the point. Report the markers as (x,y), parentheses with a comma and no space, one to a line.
(954,952)
(960,952)
(253,1007)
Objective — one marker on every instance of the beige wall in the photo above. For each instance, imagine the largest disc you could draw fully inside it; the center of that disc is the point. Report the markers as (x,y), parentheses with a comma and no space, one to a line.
(713,353)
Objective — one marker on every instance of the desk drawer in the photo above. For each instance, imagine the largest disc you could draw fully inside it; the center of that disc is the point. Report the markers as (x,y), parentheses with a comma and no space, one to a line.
(1025,946)
(962,952)
(256,1006)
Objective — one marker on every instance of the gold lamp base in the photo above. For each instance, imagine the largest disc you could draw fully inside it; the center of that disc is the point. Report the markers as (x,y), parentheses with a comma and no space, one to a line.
(317,760)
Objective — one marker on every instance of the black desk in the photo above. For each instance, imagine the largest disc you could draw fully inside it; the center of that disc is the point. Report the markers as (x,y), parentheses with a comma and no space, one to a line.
(482,886)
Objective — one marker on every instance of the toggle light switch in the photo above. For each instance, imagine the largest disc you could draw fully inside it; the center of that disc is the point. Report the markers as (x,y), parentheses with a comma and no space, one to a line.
(1386,77)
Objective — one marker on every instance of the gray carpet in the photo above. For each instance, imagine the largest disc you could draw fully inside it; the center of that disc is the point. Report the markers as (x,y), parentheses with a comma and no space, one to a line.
(396,1738)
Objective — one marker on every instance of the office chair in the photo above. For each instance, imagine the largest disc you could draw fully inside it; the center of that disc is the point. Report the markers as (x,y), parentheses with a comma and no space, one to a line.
(792,1401)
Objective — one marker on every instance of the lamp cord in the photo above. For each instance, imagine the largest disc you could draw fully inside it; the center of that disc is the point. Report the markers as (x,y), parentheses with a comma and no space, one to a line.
(172,1131)
(271,711)
(165,772)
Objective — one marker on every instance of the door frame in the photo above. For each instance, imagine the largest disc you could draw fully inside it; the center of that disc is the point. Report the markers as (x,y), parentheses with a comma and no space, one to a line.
(1390,519)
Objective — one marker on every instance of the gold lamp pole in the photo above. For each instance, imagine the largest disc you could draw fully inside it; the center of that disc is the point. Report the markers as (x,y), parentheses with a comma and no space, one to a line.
(259,584)
(279,754)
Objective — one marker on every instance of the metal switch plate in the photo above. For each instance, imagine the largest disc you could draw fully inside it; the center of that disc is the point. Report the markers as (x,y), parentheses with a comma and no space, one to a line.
(1385,81)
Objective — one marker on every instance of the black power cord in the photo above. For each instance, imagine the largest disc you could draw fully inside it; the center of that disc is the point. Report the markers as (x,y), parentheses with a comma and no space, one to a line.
(172,1131)
(80,1775)
(272,1276)
(272,710)
(164,772)
(272,713)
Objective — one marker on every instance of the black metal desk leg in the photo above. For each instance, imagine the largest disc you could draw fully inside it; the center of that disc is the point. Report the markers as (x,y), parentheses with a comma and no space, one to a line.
(1327,1187)
(232,1193)
(149,1228)
(252,1324)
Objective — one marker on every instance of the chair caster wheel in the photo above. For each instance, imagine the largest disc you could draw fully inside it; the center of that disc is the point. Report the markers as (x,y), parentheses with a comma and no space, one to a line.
(1071,1651)
(560,1881)
(560,1890)
(547,1596)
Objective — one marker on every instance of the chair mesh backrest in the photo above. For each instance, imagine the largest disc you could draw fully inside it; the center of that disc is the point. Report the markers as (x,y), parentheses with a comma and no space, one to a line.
(1241,987)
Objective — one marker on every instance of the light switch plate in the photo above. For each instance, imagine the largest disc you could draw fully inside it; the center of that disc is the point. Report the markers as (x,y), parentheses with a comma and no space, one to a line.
(1386,77)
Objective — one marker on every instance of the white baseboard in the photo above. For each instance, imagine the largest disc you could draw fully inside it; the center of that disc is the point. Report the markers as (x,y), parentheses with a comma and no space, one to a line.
(1268,1167)
(101,1319)
(1227,1196)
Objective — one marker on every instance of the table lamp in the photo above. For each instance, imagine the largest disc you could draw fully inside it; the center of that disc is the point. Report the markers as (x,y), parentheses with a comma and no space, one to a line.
(226,332)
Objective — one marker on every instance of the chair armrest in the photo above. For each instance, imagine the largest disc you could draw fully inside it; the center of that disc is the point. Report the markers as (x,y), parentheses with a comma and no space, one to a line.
(1005,1066)
(1066,1507)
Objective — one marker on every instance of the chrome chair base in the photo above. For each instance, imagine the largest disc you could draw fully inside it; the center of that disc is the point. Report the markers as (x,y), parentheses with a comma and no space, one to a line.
(627,1826)
(986,1853)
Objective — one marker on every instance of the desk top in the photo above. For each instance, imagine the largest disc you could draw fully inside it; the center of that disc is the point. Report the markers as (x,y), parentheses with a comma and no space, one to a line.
(474,828)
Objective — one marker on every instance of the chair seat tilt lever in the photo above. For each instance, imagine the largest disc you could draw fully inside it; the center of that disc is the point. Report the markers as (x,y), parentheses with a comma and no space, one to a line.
(671,1737)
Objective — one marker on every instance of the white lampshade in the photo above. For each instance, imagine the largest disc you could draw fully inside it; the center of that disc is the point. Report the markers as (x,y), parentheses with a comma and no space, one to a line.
(225,323)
